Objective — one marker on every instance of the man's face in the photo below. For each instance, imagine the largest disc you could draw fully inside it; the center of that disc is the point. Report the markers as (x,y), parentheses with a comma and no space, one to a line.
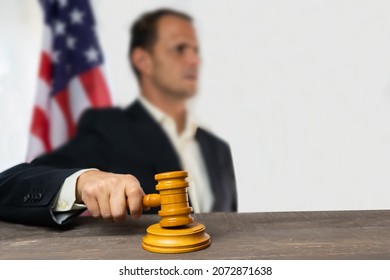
(175,58)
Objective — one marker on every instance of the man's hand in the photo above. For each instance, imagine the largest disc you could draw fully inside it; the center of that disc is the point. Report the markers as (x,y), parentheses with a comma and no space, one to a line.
(109,195)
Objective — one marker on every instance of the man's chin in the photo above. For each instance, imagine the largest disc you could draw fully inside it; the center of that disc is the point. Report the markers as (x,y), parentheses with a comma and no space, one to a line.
(186,94)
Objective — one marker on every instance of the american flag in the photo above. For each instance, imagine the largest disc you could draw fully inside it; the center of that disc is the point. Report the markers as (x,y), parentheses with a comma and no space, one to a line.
(71,76)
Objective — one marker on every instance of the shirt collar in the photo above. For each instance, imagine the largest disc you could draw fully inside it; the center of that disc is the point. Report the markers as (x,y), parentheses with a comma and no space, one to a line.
(161,118)
(155,112)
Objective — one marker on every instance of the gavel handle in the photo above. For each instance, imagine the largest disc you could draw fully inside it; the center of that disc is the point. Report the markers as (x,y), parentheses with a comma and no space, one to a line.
(151,200)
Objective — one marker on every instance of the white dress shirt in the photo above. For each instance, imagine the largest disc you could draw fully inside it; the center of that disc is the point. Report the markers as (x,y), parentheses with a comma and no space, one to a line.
(190,156)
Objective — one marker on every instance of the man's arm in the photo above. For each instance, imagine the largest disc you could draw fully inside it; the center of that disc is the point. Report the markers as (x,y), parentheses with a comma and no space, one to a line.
(25,199)
(27,191)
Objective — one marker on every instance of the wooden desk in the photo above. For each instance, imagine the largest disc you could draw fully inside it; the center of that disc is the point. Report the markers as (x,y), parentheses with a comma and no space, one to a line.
(289,235)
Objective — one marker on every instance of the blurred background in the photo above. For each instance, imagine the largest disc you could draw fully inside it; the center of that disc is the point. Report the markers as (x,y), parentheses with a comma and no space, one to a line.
(300,89)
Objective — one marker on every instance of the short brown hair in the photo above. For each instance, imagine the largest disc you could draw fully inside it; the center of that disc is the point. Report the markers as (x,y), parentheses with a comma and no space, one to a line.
(143,32)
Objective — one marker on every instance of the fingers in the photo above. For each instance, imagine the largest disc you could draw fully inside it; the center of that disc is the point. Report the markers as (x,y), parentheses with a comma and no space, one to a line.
(135,205)
(118,205)
(109,195)
(104,206)
(92,206)
(87,193)
(134,194)
(108,206)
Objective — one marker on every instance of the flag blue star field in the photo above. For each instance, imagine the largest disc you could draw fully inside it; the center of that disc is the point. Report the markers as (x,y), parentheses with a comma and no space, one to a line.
(71,77)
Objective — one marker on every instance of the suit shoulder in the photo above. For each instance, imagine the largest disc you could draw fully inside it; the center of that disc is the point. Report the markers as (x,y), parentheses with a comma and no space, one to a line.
(102,112)
(93,116)
(205,135)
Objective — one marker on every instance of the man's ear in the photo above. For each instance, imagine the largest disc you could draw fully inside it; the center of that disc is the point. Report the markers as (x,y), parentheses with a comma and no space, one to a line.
(142,61)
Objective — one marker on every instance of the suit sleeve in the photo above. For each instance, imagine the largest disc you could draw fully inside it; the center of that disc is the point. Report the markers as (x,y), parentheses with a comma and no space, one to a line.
(232,179)
(27,190)
(219,162)
(227,178)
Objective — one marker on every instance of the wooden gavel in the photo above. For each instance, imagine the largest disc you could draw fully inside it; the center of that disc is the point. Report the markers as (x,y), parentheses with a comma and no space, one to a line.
(173,199)
(176,232)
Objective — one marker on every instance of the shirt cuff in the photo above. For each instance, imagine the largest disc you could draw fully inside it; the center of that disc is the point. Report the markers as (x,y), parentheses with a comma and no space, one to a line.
(67,195)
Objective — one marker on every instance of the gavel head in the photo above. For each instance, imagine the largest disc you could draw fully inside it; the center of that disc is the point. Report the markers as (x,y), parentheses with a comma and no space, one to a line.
(173,199)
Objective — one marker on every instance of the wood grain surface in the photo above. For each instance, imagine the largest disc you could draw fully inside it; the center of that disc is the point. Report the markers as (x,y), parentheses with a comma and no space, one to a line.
(276,236)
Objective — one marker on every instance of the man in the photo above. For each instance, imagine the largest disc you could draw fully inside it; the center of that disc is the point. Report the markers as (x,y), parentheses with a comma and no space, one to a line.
(154,134)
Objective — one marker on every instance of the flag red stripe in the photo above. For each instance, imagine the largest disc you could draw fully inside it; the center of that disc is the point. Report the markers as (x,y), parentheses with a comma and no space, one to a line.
(62,99)
(45,69)
(40,127)
(95,87)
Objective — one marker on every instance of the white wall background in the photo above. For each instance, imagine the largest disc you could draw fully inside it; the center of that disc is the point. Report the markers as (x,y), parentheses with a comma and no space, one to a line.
(300,89)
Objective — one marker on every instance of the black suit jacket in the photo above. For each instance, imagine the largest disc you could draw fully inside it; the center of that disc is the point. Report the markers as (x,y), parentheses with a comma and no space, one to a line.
(120,141)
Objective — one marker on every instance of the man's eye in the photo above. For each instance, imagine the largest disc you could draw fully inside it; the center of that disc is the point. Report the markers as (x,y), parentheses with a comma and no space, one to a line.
(180,49)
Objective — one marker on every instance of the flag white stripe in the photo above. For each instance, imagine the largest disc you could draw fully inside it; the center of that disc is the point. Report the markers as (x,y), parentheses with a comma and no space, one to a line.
(78,99)
(105,74)
(58,126)
(47,40)
(43,95)
(35,146)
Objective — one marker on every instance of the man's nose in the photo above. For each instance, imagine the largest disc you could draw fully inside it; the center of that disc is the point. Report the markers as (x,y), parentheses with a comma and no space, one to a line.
(193,57)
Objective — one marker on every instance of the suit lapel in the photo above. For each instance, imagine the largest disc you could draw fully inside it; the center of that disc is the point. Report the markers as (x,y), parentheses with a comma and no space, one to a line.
(153,142)
(210,162)
(157,149)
